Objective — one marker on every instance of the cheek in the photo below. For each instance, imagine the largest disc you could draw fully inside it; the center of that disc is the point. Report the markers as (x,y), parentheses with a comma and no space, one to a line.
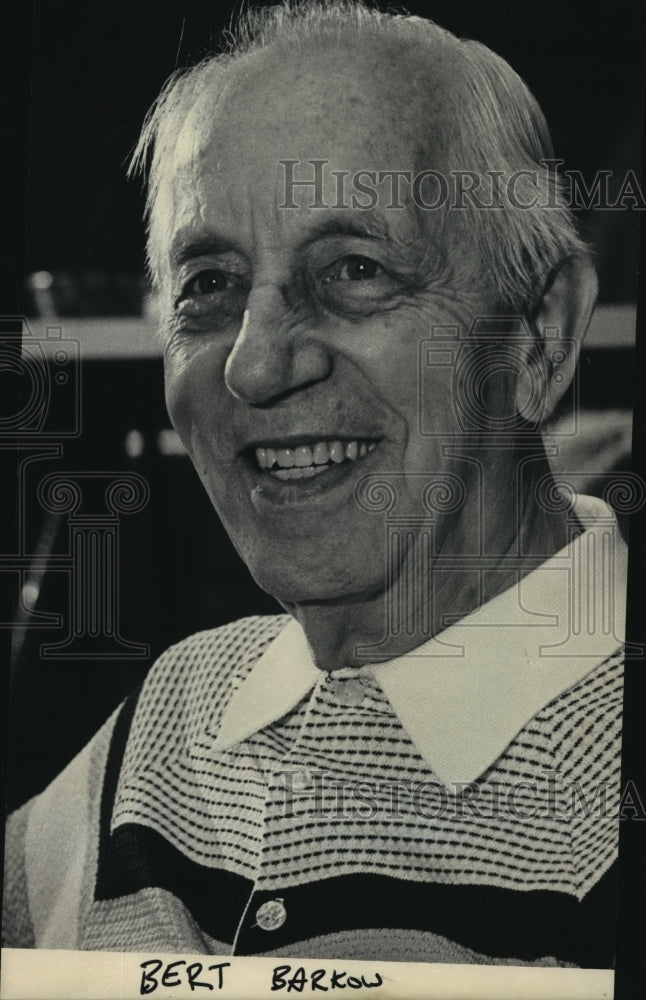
(196,396)
(182,401)
(393,354)
(383,349)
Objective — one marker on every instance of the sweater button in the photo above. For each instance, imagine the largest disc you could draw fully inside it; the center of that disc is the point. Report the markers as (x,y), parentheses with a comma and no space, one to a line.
(271,915)
(350,692)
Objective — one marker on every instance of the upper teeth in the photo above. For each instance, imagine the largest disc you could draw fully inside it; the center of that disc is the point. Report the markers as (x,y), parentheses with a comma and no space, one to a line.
(305,456)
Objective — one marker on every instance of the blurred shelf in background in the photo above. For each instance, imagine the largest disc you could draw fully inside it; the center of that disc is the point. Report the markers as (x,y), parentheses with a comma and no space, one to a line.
(612,326)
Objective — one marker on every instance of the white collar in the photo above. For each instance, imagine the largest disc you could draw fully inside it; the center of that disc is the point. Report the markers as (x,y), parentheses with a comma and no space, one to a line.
(466,693)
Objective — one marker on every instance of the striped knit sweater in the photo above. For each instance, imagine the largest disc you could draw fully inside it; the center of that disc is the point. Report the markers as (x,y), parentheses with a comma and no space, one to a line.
(325,833)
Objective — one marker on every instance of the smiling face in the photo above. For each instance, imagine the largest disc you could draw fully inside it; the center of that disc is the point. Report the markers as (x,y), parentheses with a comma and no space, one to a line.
(292,338)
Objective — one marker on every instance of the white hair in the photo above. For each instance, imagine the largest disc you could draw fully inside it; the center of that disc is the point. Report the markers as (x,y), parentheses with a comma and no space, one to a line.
(499,132)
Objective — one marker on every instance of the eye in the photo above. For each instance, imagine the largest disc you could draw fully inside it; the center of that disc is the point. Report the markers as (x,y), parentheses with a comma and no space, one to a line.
(355,268)
(354,284)
(212,292)
(208,282)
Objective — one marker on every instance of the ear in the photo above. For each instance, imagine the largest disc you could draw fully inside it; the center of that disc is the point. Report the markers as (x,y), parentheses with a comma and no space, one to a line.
(559,322)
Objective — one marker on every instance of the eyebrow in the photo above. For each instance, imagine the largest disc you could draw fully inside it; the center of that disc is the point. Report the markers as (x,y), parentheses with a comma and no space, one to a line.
(362,225)
(368,224)
(183,249)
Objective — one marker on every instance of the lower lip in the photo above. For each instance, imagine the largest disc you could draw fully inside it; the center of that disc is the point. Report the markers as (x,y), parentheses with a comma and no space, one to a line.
(270,489)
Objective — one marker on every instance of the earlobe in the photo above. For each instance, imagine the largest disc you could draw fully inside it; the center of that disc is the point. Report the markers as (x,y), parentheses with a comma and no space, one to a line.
(560,322)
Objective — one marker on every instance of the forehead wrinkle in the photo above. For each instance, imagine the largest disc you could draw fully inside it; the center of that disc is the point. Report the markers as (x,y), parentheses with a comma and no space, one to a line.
(369,87)
(409,233)
(188,244)
(371,225)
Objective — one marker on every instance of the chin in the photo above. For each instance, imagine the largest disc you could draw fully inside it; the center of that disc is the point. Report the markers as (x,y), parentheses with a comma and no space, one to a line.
(298,584)
(289,589)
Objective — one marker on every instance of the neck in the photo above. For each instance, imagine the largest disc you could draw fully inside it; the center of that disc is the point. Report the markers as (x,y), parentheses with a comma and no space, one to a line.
(428,591)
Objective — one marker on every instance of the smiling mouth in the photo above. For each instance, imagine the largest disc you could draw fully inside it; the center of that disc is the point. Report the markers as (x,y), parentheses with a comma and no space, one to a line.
(304,461)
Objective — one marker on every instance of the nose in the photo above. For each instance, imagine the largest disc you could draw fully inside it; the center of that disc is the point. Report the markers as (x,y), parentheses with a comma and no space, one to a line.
(274,353)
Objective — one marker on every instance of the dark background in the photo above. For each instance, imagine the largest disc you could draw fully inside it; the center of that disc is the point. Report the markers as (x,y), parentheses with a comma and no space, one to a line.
(95,69)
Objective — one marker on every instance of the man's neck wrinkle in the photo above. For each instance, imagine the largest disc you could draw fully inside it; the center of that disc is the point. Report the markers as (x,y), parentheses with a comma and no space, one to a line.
(359,631)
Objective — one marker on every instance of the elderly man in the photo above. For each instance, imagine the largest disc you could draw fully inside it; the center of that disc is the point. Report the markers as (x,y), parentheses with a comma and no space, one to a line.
(371,302)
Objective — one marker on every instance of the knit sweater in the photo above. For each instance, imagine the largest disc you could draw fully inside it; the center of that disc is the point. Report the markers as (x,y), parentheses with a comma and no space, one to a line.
(325,833)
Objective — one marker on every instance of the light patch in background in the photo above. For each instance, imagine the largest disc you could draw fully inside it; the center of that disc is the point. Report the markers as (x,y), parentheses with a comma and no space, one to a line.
(134,444)
(138,336)
(169,443)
